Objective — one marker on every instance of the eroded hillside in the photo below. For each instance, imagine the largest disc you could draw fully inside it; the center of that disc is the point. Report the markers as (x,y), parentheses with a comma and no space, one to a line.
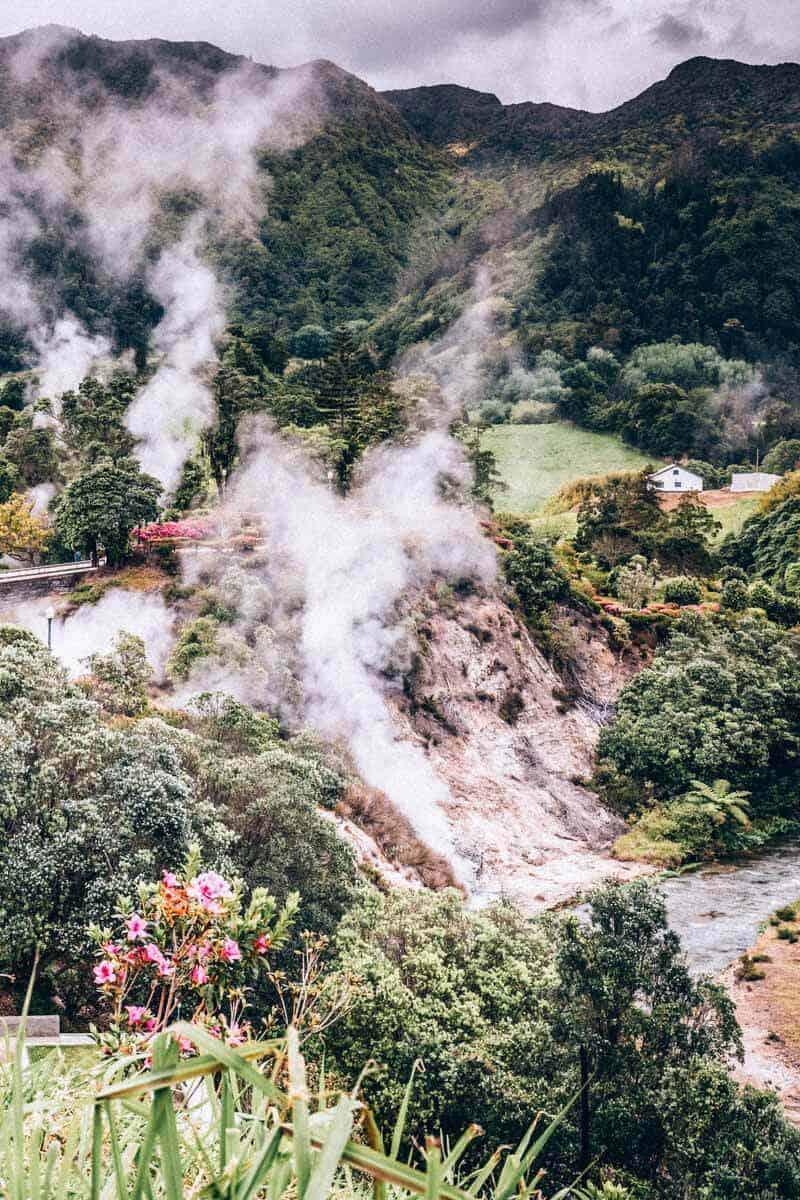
(515,744)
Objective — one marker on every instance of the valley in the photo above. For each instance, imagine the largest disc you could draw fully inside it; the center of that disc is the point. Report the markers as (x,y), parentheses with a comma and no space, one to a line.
(395,717)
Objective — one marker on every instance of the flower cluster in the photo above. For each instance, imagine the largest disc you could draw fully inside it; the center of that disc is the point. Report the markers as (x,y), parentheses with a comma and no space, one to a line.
(188,949)
(194,529)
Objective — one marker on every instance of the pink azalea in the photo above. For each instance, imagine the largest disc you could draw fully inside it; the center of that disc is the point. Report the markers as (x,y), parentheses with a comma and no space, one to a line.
(184,1045)
(236,1036)
(169,880)
(150,1025)
(230,951)
(203,950)
(151,953)
(135,1013)
(165,967)
(136,926)
(261,944)
(105,972)
(199,975)
(109,948)
(209,889)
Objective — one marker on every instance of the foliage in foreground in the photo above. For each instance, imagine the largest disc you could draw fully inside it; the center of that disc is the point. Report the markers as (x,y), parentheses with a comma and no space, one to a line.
(220,1124)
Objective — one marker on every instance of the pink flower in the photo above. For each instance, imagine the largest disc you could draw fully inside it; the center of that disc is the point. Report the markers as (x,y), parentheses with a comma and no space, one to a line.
(261,944)
(104,972)
(209,889)
(230,951)
(136,926)
(236,1036)
(152,954)
(199,975)
(135,1013)
(109,948)
(150,1025)
(169,880)
(184,1045)
(203,951)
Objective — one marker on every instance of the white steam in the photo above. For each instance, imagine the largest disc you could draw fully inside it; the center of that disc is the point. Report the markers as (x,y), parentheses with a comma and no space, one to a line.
(349,561)
(66,354)
(121,165)
(93,627)
(169,414)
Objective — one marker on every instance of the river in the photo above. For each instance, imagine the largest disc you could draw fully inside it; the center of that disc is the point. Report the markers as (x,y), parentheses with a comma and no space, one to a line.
(718,911)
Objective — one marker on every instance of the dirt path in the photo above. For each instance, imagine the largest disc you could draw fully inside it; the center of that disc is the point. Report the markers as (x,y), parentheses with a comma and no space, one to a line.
(768,1011)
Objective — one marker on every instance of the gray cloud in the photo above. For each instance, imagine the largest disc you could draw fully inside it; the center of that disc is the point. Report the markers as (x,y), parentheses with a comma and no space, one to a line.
(677,33)
(585,53)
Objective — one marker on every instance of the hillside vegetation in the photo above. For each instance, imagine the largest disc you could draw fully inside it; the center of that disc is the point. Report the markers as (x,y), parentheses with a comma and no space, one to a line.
(337,720)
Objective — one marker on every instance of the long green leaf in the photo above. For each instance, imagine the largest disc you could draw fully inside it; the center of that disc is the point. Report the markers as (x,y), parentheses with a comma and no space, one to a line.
(299,1099)
(335,1141)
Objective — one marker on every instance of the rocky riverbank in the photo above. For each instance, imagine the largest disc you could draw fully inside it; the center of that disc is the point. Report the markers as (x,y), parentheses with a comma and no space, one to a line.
(765,986)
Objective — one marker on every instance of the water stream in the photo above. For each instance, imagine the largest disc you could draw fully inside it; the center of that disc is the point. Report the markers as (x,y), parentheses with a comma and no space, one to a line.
(718,911)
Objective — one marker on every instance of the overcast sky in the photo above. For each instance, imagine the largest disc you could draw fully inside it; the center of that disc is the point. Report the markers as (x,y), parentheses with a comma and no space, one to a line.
(585,53)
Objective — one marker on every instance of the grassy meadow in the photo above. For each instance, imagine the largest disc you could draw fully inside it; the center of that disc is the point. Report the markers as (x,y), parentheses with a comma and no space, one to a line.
(535,460)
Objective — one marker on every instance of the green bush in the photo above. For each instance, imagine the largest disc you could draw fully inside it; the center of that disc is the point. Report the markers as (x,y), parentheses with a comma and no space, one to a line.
(682,589)
(735,596)
(760,595)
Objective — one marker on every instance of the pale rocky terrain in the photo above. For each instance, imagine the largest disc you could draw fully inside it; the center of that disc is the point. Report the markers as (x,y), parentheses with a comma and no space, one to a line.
(515,746)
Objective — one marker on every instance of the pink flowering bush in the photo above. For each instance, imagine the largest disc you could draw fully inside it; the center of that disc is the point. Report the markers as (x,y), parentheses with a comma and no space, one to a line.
(186,950)
(194,529)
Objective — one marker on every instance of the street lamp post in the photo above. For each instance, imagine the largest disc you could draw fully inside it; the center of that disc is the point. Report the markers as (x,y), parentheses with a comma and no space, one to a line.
(50,614)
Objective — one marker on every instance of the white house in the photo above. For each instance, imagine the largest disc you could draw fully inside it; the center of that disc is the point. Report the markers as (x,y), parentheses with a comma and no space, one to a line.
(675,478)
(753,481)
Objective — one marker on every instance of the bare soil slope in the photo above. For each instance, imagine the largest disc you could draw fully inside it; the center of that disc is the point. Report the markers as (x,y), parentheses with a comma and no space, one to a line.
(514,748)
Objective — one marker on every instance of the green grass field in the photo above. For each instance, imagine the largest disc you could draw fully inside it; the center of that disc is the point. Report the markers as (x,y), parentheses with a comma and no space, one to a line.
(732,516)
(535,460)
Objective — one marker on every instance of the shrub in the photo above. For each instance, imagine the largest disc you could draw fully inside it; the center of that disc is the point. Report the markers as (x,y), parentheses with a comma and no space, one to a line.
(121,677)
(196,640)
(682,589)
(735,596)
(188,945)
(761,595)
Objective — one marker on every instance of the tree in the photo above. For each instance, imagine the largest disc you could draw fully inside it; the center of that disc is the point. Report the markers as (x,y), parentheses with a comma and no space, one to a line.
(627,1007)
(462,992)
(9,478)
(356,401)
(684,541)
(619,518)
(734,595)
(486,479)
(236,391)
(32,452)
(784,456)
(682,589)
(721,703)
(192,486)
(22,534)
(635,582)
(122,676)
(96,413)
(86,811)
(726,809)
(104,504)
(311,341)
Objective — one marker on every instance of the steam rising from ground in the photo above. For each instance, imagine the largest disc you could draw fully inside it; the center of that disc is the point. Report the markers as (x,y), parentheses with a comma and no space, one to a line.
(353,560)
(177,402)
(320,629)
(94,627)
(121,165)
